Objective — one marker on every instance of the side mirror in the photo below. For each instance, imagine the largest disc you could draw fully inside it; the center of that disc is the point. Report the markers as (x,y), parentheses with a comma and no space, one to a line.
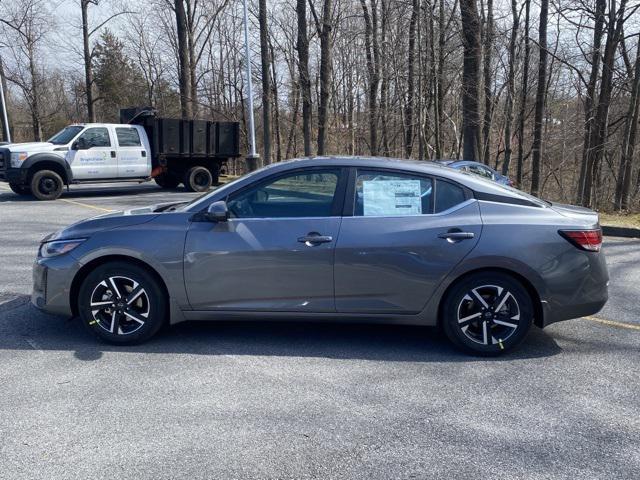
(80,144)
(218,212)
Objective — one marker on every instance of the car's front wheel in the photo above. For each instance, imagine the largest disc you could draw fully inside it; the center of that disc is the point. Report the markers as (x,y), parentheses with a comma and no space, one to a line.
(487,313)
(122,303)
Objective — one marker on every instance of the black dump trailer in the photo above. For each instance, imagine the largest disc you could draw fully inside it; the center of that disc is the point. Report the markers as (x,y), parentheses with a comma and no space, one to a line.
(191,152)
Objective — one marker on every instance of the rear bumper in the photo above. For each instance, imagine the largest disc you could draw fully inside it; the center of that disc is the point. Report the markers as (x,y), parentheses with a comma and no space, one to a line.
(579,289)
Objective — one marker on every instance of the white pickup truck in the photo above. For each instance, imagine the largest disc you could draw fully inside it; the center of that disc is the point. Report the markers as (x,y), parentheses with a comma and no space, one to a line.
(168,150)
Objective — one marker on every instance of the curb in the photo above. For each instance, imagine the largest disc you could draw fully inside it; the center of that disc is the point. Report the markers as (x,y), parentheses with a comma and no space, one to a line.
(626,232)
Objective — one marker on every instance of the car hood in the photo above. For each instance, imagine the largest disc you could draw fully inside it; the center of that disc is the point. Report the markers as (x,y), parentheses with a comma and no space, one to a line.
(31,147)
(108,221)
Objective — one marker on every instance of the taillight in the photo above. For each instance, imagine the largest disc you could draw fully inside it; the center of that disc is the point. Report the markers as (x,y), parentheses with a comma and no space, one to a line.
(590,240)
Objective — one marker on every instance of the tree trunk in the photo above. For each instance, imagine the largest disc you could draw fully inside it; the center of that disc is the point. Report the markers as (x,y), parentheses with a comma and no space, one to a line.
(408,113)
(623,185)
(305,81)
(266,81)
(371,51)
(541,91)
(524,95)
(599,132)
(183,56)
(470,79)
(324,32)
(510,87)
(6,128)
(488,90)
(88,71)
(590,99)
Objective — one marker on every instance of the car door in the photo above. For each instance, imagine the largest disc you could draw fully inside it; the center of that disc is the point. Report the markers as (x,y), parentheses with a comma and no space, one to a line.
(400,236)
(93,155)
(275,253)
(132,156)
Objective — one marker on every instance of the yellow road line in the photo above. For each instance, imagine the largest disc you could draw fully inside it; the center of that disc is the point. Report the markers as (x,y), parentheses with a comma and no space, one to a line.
(613,323)
(86,205)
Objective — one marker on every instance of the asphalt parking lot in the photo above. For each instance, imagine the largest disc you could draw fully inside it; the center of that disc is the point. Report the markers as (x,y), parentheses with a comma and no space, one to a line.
(275,400)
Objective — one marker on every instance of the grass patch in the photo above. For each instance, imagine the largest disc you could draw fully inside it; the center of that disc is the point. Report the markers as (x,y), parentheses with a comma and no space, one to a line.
(620,220)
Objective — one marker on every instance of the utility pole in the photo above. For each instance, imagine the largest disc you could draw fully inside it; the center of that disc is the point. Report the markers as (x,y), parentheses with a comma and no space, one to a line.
(6,134)
(252,158)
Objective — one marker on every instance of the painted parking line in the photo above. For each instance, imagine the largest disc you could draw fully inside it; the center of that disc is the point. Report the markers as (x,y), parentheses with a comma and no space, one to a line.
(86,205)
(613,323)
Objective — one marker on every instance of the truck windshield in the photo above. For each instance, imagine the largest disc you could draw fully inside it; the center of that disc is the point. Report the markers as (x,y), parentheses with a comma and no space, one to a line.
(65,135)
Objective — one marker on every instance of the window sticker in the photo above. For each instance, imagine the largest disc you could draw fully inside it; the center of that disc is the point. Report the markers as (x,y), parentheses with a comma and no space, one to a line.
(391,197)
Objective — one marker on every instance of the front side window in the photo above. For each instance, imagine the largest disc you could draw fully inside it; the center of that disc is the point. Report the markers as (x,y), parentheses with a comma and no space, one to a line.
(308,194)
(483,172)
(95,137)
(65,135)
(392,194)
(128,137)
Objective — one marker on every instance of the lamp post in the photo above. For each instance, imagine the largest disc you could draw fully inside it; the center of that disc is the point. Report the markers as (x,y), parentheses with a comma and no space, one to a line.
(252,158)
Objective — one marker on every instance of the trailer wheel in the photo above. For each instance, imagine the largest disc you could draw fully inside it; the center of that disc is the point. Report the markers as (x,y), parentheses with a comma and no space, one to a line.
(166,180)
(46,185)
(198,179)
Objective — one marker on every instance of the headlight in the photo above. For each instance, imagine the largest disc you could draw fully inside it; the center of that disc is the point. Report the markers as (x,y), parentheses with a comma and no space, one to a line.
(17,158)
(58,247)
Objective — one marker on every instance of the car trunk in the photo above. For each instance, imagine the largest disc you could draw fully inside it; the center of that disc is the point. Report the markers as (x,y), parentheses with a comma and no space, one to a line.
(583,216)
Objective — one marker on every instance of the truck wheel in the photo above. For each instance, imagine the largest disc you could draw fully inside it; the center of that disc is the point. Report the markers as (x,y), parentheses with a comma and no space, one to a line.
(46,185)
(198,179)
(20,189)
(166,180)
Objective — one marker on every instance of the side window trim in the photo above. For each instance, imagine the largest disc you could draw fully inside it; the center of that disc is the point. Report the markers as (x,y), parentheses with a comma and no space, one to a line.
(338,197)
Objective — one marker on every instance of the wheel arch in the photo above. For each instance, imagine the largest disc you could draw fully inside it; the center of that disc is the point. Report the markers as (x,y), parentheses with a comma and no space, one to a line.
(51,162)
(538,311)
(87,268)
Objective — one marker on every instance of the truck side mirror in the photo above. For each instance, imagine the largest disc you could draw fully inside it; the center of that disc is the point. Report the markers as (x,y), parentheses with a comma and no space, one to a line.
(80,144)
(217,212)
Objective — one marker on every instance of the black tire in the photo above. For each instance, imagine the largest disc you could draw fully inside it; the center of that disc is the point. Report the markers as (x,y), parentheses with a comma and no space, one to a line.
(20,189)
(487,313)
(198,179)
(46,185)
(131,312)
(166,180)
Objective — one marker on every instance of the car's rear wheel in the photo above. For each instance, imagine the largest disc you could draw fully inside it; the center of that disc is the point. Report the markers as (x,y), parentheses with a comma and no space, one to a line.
(122,303)
(20,189)
(487,313)
(198,179)
(46,185)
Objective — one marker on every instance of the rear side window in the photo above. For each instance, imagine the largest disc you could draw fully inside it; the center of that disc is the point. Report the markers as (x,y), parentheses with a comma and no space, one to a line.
(380,193)
(128,137)
(448,195)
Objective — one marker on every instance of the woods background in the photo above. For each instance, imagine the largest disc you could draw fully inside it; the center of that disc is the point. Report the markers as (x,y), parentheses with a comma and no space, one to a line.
(548,92)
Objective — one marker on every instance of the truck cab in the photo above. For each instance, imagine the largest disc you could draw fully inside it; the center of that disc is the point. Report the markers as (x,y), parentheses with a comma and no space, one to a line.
(79,153)
(169,150)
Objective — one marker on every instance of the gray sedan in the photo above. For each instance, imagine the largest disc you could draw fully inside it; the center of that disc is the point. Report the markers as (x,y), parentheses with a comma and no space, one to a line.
(339,239)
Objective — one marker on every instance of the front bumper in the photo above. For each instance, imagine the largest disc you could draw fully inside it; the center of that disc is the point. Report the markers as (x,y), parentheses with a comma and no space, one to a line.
(16,176)
(52,278)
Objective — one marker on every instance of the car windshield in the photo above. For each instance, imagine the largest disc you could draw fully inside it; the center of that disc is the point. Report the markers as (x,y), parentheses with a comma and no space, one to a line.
(65,135)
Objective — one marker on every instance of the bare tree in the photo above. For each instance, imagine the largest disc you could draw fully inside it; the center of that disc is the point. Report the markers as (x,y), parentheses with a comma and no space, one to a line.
(470,79)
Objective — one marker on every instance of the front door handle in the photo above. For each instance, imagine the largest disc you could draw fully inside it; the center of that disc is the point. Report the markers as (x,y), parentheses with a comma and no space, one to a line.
(456,236)
(113,154)
(314,238)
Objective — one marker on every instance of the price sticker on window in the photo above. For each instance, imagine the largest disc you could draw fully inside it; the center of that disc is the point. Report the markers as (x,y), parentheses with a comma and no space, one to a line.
(391,197)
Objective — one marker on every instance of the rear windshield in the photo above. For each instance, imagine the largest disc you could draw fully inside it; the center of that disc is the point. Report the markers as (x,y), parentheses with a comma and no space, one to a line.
(65,135)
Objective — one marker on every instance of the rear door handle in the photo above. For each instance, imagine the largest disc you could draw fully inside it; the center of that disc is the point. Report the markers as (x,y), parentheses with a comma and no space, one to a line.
(113,154)
(456,236)
(313,238)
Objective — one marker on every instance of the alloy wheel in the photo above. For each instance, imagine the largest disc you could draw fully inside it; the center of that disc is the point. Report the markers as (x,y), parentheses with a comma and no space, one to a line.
(488,314)
(119,305)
